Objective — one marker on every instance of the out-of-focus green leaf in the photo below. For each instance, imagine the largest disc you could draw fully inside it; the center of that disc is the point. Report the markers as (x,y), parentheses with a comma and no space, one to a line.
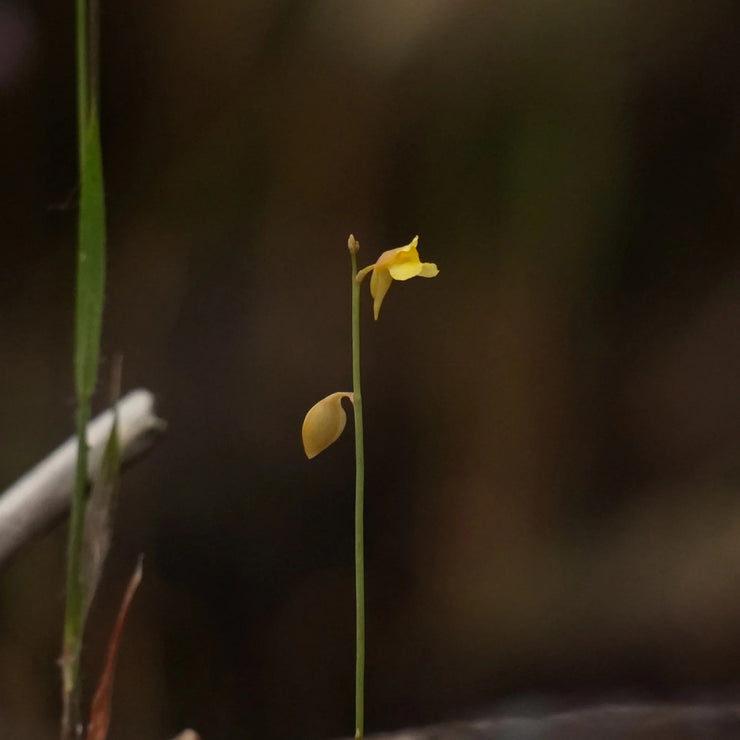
(88,323)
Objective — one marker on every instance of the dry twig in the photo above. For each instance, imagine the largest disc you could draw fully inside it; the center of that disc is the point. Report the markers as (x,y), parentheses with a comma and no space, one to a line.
(43,495)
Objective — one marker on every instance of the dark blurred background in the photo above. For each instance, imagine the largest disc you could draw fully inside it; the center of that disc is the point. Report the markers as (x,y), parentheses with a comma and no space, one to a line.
(552,424)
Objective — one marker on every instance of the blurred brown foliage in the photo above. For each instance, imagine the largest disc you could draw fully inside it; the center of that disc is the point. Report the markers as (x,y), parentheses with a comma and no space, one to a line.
(552,423)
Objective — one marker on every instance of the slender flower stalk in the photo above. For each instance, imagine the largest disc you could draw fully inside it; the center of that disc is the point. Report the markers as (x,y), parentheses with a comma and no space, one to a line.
(359,501)
(326,420)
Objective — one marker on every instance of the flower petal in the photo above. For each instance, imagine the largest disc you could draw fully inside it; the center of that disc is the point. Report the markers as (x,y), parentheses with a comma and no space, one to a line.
(390,257)
(399,253)
(428,269)
(386,258)
(406,269)
(363,272)
(323,424)
(413,244)
(379,284)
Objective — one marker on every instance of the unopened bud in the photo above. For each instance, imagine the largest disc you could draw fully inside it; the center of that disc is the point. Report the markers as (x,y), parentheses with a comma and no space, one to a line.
(323,424)
(353,244)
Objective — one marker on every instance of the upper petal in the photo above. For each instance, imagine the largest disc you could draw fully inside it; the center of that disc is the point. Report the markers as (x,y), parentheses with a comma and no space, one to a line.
(413,244)
(389,257)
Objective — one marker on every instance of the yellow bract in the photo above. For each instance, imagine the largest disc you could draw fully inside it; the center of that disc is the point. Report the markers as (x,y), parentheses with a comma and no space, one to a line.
(323,424)
(402,263)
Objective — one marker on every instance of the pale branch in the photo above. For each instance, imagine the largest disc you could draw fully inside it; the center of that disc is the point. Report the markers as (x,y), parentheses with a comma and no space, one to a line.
(44,494)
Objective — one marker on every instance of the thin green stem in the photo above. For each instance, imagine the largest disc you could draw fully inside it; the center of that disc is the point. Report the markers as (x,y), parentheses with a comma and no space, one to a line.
(83,76)
(74,601)
(359,507)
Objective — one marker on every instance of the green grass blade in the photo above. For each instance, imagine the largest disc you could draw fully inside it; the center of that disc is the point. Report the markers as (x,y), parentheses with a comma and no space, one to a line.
(88,323)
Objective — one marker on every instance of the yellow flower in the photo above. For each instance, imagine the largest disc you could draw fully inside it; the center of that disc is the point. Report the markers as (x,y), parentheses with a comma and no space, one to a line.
(395,264)
(323,424)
